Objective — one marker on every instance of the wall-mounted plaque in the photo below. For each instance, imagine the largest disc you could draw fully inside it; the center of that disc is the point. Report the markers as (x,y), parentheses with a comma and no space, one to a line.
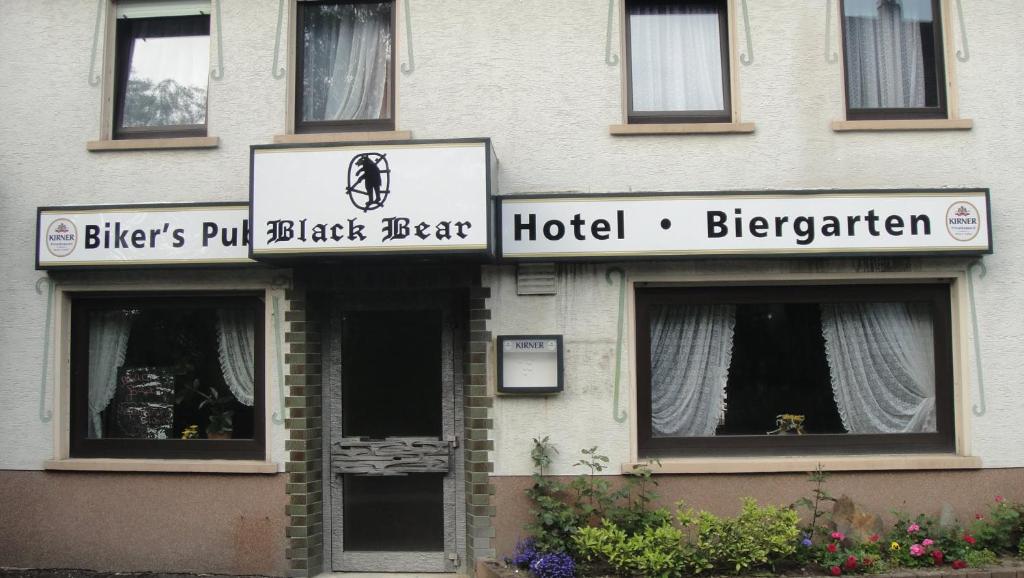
(530,364)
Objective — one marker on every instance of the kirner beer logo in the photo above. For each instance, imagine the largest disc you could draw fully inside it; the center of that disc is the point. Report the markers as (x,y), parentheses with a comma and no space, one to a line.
(962,221)
(369,181)
(61,238)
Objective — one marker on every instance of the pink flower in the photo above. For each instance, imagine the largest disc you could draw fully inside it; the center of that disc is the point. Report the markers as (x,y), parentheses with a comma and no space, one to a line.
(851,563)
(927,542)
(836,570)
(831,548)
(999,499)
(959,564)
(873,538)
(913,528)
(838,536)
(916,550)
(969,539)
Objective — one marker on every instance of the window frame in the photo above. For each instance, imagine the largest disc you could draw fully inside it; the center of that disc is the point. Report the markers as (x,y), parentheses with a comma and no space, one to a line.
(942,111)
(939,295)
(121,71)
(727,115)
(80,446)
(301,126)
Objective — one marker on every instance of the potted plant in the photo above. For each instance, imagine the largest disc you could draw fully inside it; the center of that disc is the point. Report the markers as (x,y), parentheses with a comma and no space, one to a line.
(788,424)
(220,425)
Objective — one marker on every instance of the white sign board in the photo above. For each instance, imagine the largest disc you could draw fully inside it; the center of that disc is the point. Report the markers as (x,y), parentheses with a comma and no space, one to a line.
(134,235)
(811,223)
(530,364)
(420,197)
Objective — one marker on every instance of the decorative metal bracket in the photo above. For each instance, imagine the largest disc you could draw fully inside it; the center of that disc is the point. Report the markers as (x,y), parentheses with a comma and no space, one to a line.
(965,54)
(277,71)
(979,408)
(45,415)
(94,79)
(620,416)
(218,73)
(609,58)
(408,67)
(747,58)
(830,55)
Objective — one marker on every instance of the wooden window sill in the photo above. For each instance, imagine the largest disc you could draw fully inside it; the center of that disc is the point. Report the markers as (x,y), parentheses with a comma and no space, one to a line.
(756,465)
(326,137)
(140,144)
(141,465)
(682,128)
(906,124)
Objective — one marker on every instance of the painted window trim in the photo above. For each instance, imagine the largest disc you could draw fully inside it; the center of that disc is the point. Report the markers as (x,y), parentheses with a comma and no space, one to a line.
(82,446)
(963,380)
(332,131)
(732,125)
(211,466)
(65,290)
(951,121)
(108,96)
(831,463)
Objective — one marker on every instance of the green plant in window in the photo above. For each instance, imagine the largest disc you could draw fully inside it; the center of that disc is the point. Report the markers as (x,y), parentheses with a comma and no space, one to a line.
(221,409)
(788,423)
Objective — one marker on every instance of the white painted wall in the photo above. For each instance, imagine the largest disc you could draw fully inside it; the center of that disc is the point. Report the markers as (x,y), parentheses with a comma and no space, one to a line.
(530,74)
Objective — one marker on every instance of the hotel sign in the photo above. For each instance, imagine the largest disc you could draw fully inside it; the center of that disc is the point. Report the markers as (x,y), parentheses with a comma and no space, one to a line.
(111,236)
(415,197)
(800,223)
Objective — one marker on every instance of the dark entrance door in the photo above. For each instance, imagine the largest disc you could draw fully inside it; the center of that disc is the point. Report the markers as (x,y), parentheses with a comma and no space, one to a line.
(392,437)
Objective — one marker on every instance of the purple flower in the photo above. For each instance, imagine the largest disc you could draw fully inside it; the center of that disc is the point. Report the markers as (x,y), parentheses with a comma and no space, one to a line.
(524,553)
(806,542)
(556,565)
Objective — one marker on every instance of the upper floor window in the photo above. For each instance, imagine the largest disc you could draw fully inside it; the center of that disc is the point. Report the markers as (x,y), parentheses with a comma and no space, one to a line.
(345,72)
(894,59)
(162,66)
(794,370)
(678,61)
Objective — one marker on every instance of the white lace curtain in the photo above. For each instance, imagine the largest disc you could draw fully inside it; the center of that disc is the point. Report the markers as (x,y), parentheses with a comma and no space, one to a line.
(884,53)
(235,343)
(691,350)
(108,343)
(675,58)
(882,360)
(346,54)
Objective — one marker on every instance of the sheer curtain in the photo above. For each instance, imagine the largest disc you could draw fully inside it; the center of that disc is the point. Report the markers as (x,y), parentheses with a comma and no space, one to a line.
(882,360)
(346,54)
(675,58)
(884,53)
(691,350)
(235,337)
(108,343)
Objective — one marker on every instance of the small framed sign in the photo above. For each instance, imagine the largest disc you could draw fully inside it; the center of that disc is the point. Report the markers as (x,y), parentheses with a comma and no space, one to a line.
(530,364)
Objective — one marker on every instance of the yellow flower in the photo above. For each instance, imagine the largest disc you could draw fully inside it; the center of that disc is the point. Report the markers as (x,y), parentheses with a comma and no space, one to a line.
(894,546)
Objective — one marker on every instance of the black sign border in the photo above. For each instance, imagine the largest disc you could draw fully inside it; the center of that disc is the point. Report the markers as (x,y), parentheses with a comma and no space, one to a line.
(741,256)
(559,356)
(128,265)
(487,255)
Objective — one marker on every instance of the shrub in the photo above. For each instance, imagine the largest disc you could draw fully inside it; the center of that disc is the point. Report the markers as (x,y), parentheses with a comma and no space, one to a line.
(1001,530)
(759,537)
(654,551)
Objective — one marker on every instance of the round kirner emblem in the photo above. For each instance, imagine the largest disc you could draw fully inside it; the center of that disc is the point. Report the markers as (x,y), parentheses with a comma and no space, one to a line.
(61,238)
(962,221)
(369,181)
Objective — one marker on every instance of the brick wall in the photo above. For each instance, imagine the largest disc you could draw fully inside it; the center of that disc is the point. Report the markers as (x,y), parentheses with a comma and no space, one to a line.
(305,438)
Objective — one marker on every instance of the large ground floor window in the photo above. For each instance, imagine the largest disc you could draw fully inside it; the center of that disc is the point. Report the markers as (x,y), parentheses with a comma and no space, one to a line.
(177,376)
(794,370)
